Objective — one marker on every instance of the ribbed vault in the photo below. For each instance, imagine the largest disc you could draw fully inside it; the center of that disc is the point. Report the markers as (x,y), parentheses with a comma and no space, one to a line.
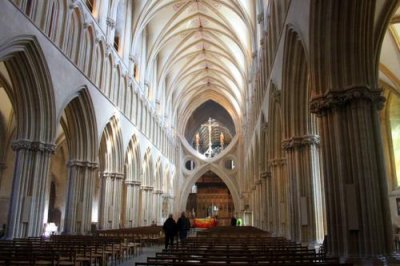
(200,48)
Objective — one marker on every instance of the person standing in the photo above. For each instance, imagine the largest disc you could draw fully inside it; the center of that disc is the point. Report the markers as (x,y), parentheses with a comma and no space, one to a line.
(233,221)
(183,226)
(169,228)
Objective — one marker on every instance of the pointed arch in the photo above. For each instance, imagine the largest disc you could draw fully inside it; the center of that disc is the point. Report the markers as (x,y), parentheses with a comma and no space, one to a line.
(34,100)
(132,160)
(191,180)
(74,29)
(81,128)
(111,148)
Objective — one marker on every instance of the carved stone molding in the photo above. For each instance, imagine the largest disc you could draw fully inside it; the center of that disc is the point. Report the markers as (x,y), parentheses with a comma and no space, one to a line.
(297,142)
(133,182)
(111,22)
(35,146)
(276,95)
(132,58)
(277,161)
(86,164)
(334,99)
(148,188)
(114,175)
(260,17)
(265,174)
(158,192)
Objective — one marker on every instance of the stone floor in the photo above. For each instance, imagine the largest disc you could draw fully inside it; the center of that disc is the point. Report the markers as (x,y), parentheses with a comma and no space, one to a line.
(142,257)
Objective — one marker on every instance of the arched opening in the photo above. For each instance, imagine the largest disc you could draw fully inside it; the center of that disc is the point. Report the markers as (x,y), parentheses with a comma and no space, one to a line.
(210,198)
(26,95)
(210,129)
(111,176)
(7,133)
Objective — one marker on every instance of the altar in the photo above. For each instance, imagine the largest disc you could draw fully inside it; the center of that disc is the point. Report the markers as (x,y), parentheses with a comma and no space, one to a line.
(204,222)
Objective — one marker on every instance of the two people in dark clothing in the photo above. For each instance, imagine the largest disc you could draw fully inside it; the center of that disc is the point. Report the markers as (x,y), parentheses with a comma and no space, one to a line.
(171,228)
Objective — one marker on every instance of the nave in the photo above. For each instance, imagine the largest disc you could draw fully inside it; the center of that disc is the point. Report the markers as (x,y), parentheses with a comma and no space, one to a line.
(142,247)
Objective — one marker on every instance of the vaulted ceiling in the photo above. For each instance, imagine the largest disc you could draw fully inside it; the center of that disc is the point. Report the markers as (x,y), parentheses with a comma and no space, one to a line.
(203,51)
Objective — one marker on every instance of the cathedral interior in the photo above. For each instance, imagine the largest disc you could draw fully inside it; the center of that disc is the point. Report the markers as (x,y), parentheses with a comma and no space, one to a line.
(284,113)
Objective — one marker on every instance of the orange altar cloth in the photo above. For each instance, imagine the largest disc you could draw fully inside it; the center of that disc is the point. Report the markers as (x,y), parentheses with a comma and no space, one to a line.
(204,222)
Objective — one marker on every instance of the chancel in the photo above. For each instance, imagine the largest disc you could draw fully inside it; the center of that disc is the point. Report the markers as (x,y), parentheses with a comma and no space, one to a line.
(281,114)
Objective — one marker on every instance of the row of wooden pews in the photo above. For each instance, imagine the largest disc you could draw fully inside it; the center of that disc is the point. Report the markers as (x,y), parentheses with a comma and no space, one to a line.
(238,245)
(103,248)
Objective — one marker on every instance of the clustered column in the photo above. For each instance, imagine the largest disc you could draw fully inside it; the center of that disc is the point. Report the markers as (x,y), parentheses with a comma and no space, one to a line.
(279,197)
(358,215)
(158,205)
(30,181)
(111,197)
(146,205)
(306,201)
(81,185)
(132,203)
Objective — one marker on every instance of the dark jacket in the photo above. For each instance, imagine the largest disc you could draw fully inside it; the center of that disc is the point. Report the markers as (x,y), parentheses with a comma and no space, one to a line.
(169,227)
(183,223)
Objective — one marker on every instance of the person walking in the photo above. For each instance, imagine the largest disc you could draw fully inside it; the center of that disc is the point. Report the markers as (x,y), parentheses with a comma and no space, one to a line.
(183,225)
(170,229)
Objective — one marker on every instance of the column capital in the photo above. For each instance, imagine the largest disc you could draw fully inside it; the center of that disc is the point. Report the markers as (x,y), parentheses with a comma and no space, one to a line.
(277,161)
(115,175)
(36,146)
(265,174)
(300,141)
(321,104)
(81,163)
(133,182)
(148,188)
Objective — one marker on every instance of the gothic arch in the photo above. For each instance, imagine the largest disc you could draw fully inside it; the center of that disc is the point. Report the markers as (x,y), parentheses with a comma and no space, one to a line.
(111,167)
(34,100)
(132,160)
(191,180)
(81,128)
(79,125)
(295,95)
(33,103)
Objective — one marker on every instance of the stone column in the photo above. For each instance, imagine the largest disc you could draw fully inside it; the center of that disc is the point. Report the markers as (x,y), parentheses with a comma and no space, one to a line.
(111,23)
(264,201)
(150,205)
(157,202)
(146,205)
(260,203)
(306,201)
(136,201)
(29,189)
(110,207)
(358,217)
(268,202)
(131,209)
(105,202)
(3,166)
(279,189)
(81,185)
(118,179)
